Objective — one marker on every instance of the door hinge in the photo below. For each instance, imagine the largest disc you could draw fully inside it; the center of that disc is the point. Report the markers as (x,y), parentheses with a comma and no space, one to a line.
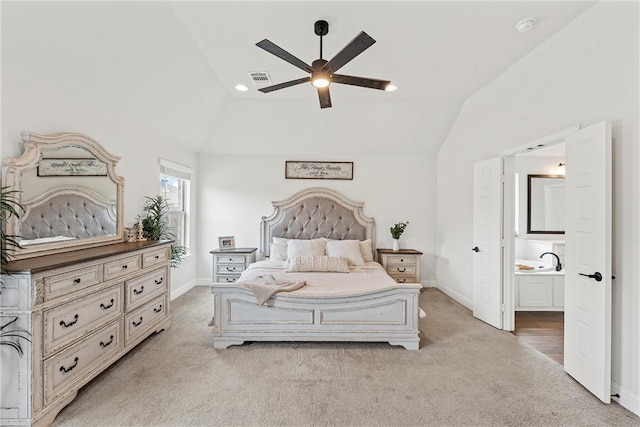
(502,307)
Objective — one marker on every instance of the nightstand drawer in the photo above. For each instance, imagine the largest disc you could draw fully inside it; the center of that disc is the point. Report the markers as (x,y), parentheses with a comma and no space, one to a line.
(233,259)
(405,279)
(401,259)
(229,268)
(225,278)
(402,265)
(395,269)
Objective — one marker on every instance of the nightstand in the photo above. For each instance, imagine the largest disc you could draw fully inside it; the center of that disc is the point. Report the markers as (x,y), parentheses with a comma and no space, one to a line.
(403,265)
(229,263)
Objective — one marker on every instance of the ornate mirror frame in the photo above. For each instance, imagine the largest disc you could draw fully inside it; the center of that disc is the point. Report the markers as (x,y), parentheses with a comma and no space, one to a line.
(35,146)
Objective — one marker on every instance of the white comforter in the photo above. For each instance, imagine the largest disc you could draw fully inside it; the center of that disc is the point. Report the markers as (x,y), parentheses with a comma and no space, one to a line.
(360,280)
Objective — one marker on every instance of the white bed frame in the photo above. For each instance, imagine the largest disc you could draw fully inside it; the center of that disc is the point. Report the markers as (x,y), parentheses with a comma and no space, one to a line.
(389,315)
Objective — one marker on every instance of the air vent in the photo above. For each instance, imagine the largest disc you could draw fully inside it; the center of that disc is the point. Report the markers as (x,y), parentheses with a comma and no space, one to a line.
(260,78)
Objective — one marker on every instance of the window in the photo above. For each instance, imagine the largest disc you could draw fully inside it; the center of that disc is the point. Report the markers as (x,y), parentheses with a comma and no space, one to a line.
(174,187)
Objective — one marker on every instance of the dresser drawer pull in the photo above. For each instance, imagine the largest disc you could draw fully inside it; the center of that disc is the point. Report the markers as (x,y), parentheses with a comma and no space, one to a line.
(231,279)
(158,282)
(401,270)
(65,370)
(231,269)
(105,345)
(403,280)
(124,267)
(104,307)
(158,310)
(138,292)
(137,324)
(67,325)
(76,281)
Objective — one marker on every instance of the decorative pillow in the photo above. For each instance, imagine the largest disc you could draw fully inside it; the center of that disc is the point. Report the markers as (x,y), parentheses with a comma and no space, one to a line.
(278,252)
(349,249)
(298,248)
(280,240)
(366,251)
(318,264)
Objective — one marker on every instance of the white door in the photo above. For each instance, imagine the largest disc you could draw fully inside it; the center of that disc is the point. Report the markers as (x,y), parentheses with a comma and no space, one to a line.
(487,241)
(587,321)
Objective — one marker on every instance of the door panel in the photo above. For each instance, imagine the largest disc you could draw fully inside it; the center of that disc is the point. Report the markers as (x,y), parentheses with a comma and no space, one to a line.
(487,238)
(587,352)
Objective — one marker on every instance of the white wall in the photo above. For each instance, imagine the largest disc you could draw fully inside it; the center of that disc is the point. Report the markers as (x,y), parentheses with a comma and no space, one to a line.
(235,191)
(31,102)
(586,73)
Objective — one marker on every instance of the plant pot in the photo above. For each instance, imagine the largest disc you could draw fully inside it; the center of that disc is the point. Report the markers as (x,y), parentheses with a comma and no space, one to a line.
(396,244)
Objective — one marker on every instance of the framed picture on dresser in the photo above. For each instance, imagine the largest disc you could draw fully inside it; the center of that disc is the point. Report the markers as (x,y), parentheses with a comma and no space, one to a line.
(226,242)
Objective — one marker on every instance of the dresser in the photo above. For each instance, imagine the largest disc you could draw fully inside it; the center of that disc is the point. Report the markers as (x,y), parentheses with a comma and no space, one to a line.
(403,265)
(84,310)
(228,264)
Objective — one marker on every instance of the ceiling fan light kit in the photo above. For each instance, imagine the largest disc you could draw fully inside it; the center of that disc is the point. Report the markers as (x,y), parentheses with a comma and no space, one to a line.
(322,72)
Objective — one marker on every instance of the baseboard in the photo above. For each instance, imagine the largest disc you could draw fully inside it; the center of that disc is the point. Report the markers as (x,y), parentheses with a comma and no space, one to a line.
(428,283)
(456,296)
(626,399)
(203,282)
(175,293)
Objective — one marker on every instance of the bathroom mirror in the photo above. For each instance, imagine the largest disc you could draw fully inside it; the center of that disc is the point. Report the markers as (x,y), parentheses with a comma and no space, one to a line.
(545,204)
(72,196)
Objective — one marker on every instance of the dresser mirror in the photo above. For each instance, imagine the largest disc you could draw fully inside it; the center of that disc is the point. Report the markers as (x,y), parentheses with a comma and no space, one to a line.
(72,196)
(545,204)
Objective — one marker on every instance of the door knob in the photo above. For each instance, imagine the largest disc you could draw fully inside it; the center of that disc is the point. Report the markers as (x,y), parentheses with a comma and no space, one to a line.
(476,249)
(597,276)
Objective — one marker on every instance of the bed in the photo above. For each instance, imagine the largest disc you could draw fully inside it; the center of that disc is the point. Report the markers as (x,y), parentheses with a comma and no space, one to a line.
(363,304)
(67,213)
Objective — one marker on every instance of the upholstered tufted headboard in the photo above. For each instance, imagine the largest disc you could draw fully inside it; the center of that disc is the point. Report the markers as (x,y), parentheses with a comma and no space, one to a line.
(76,212)
(316,212)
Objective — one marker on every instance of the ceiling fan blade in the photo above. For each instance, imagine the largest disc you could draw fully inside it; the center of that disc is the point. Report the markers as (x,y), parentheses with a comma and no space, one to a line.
(284,85)
(283,54)
(325,97)
(360,81)
(354,48)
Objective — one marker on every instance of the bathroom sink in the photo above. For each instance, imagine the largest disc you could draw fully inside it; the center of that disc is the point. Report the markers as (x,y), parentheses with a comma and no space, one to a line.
(528,266)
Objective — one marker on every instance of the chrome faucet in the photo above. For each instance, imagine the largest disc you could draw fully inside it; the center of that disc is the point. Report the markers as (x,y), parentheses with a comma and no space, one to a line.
(558,265)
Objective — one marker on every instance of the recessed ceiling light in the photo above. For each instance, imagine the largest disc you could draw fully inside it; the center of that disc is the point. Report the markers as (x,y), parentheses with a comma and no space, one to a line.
(241,88)
(525,25)
(391,88)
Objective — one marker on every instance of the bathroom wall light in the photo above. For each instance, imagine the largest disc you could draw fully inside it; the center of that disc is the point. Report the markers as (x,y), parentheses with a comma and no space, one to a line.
(560,169)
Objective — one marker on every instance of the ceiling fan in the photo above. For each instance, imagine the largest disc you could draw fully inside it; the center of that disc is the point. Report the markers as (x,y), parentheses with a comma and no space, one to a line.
(322,72)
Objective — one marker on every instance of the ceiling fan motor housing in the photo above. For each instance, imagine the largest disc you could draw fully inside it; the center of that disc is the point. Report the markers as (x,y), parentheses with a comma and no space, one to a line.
(321,28)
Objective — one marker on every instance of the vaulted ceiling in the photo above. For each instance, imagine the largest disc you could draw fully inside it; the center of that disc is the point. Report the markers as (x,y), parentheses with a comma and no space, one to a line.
(172,66)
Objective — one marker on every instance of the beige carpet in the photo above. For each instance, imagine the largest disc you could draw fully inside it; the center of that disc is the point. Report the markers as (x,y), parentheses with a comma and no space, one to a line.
(465,373)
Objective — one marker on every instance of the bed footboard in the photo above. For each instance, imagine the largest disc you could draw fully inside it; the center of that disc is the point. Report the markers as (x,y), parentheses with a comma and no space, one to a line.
(389,315)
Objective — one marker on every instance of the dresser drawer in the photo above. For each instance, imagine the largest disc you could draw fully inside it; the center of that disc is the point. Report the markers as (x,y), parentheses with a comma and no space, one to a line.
(72,281)
(69,322)
(229,268)
(400,259)
(142,289)
(140,321)
(120,267)
(396,269)
(156,257)
(231,259)
(61,370)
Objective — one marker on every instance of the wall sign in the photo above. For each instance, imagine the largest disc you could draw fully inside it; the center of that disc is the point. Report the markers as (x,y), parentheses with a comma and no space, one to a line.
(71,167)
(318,170)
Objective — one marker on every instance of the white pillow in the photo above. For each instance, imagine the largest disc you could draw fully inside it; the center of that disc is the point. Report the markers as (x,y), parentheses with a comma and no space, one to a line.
(298,248)
(318,264)
(366,251)
(278,252)
(349,249)
(280,240)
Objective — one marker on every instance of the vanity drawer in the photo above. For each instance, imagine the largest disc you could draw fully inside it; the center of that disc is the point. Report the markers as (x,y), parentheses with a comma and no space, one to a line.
(140,321)
(61,370)
(72,281)
(156,257)
(68,322)
(231,259)
(140,290)
(397,269)
(120,267)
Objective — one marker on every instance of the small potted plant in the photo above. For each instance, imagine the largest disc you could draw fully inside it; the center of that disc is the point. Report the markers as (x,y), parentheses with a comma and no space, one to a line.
(396,232)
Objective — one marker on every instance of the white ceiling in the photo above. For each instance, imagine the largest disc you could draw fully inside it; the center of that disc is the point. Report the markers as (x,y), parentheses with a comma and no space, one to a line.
(172,66)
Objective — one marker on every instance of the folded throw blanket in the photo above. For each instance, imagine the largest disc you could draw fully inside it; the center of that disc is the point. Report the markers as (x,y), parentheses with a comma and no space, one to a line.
(264,286)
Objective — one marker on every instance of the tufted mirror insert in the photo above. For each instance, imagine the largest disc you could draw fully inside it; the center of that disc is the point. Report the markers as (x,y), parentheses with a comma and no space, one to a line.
(71,194)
